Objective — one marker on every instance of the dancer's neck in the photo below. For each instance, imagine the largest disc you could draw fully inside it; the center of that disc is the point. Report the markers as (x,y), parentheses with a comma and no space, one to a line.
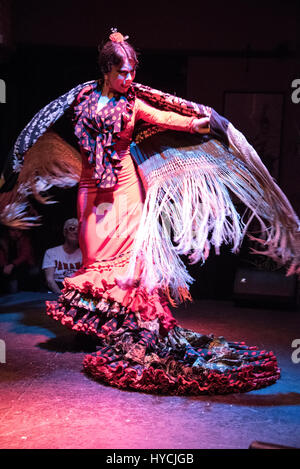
(107,91)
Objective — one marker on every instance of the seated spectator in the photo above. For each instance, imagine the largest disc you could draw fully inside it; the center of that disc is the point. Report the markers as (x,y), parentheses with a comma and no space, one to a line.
(64,260)
(17,263)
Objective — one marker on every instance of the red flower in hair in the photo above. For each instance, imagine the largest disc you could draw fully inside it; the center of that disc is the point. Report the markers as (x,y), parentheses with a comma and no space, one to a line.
(116,37)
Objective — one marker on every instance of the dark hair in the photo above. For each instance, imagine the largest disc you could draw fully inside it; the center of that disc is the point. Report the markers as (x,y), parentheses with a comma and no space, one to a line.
(112,53)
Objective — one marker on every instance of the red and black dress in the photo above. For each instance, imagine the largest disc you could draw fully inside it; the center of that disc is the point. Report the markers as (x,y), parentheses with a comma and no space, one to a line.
(141,346)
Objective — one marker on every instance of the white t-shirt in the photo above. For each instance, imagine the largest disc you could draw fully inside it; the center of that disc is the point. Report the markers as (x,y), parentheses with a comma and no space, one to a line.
(65,264)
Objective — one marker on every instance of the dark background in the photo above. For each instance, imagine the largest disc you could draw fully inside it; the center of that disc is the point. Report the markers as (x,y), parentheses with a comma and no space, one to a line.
(197,50)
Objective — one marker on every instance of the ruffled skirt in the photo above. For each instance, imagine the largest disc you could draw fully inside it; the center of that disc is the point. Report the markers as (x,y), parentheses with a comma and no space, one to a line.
(182,363)
(141,347)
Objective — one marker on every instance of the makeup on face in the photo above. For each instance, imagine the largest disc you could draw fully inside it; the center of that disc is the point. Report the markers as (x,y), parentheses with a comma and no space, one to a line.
(121,76)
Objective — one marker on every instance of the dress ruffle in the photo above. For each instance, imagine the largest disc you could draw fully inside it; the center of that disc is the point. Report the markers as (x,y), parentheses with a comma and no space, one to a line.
(142,348)
(182,363)
(98,289)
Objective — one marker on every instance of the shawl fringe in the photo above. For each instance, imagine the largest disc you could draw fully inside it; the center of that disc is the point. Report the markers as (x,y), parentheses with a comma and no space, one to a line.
(50,162)
(282,241)
(190,208)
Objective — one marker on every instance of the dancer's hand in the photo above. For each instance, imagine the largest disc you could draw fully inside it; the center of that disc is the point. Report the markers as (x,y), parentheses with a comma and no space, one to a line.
(201,125)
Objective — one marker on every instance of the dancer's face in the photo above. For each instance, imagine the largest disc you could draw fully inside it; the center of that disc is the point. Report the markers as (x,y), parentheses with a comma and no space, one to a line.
(121,76)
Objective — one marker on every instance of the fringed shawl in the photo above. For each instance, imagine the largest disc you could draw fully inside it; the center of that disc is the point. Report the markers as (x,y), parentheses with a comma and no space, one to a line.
(191,183)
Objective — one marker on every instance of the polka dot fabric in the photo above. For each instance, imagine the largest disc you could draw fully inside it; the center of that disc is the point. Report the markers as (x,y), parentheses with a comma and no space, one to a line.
(97,131)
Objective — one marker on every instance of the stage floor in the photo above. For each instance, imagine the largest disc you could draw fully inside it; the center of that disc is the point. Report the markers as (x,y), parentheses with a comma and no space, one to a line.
(47,402)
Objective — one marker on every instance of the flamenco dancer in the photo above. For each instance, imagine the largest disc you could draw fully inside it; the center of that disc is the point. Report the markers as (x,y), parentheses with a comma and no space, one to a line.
(157,177)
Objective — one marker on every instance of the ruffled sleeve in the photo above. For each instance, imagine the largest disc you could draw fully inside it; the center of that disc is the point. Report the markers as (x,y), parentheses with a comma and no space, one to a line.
(167,119)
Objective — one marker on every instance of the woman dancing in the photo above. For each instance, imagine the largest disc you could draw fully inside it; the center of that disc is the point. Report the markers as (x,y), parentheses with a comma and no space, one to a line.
(156,181)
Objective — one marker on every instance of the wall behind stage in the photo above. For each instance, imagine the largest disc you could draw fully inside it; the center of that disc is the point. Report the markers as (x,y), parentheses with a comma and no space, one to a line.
(193,25)
(263,77)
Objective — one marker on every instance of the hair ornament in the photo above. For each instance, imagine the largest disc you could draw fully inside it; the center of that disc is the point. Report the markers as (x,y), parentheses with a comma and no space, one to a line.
(116,36)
